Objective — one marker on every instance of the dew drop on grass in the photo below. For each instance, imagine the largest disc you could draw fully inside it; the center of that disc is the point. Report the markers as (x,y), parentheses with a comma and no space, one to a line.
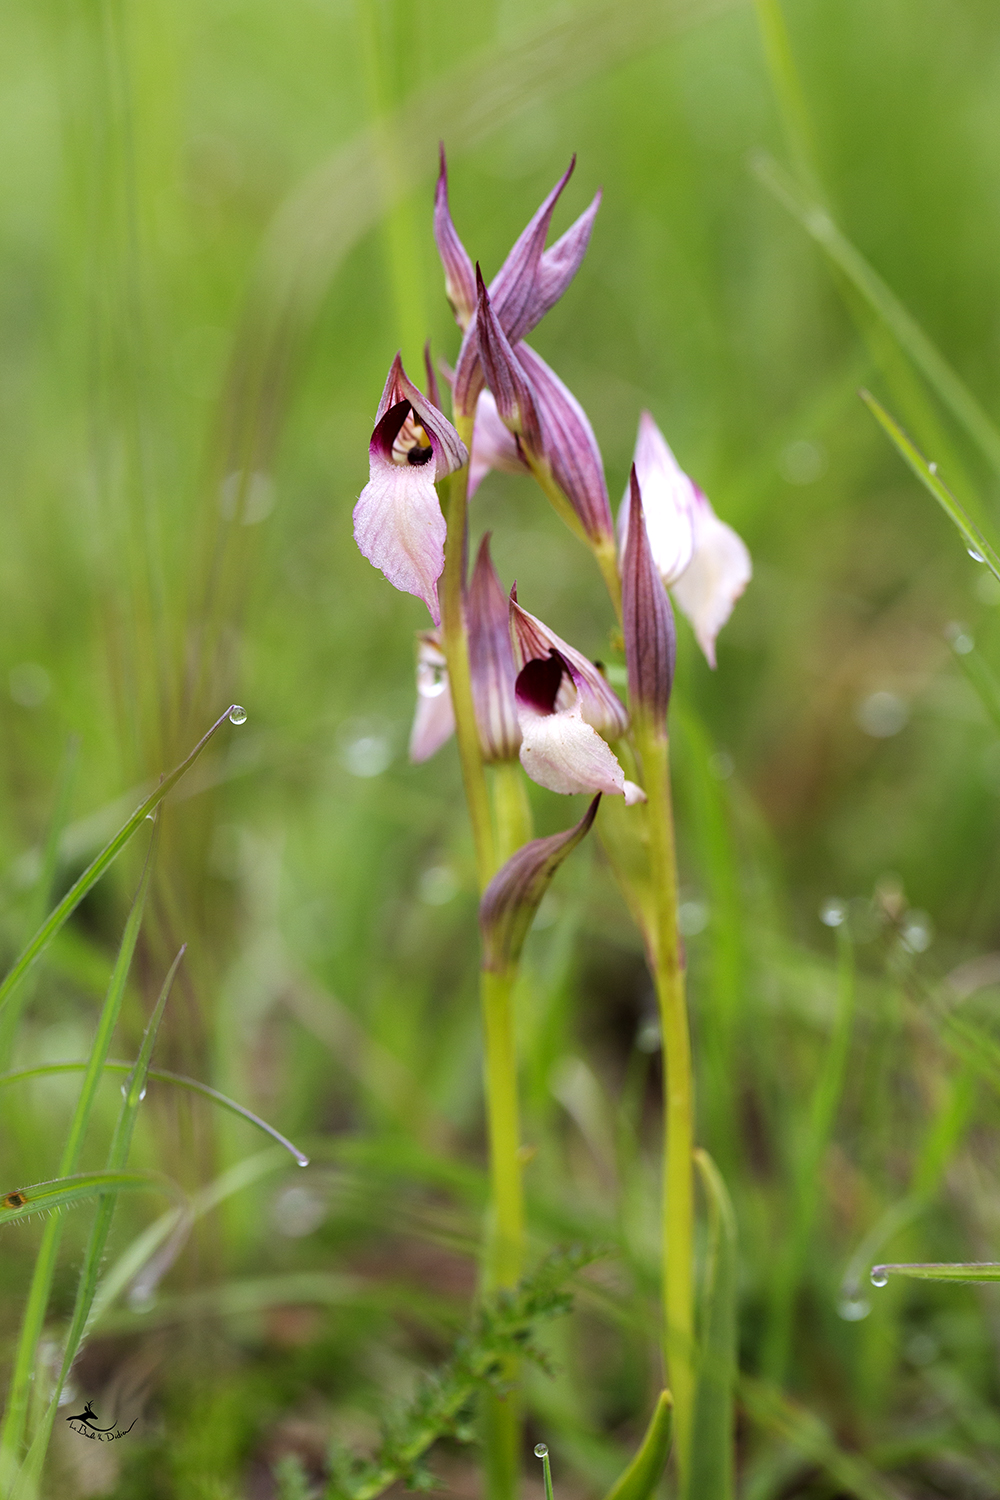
(853,1309)
(541,1450)
(976,556)
(237,714)
(879,1277)
(833,913)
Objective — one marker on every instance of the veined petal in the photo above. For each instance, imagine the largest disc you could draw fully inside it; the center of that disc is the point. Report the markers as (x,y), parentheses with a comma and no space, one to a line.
(493,445)
(647,622)
(568,445)
(459,280)
(669,498)
(503,374)
(434,719)
(513,290)
(715,578)
(560,263)
(513,895)
(398,523)
(491,661)
(543,689)
(564,753)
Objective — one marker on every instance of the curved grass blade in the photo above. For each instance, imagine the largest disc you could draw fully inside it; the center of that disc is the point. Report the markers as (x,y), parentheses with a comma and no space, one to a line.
(97,867)
(643,1474)
(151,1254)
(710,1474)
(817,222)
(928,476)
(133,1092)
(63,1192)
(161,1075)
(16,1413)
(970,1270)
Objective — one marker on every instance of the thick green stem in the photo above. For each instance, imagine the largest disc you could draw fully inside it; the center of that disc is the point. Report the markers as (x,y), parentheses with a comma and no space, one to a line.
(511,809)
(456,650)
(678,1116)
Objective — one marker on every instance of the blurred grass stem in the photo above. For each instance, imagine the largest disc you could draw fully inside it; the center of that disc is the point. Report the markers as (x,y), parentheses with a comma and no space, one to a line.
(678,1088)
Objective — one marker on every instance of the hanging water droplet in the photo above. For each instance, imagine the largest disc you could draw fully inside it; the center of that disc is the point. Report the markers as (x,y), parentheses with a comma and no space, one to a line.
(237,714)
(853,1309)
(976,556)
(541,1450)
(879,1277)
(833,912)
(932,467)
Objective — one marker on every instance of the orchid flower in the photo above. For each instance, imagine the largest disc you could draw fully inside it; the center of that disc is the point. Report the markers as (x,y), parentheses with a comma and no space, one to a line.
(491,663)
(701,558)
(647,625)
(530,281)
(398,524)
(565,709)
(549,424)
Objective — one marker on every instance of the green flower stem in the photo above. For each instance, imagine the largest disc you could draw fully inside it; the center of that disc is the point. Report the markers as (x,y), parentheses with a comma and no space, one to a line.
(678,1115)
(505,1248)
(456,650)
(511,809)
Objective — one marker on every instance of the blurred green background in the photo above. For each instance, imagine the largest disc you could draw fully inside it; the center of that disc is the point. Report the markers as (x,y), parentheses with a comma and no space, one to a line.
(215,231)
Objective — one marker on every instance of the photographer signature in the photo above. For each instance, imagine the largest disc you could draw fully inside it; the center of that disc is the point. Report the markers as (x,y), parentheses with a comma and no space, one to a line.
(88,1419)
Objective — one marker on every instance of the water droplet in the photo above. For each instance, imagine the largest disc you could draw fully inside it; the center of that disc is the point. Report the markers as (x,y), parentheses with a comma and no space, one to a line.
(879,1277)
(959,638)
(853,1309)
(976,556)
(918,932)
(833,912)
(692,918)
(237,714)
(541,1450)
(882,715)
(649,1038)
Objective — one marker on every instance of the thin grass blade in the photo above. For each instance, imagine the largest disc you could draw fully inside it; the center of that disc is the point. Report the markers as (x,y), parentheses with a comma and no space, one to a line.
(971,1270)
(16,1413)
(711,1475)
(161,1075)
(92,874)
(927,473)
(817,222)
(63,1192)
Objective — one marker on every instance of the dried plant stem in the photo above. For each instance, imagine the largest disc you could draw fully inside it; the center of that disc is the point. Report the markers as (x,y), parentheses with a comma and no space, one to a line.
(456,650)
(678,1115)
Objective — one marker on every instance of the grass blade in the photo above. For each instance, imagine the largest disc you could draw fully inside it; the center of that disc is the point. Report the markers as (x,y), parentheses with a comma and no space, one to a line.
(161,1075)
(818,223)
(643,1474)
(92,874)
(63,1192)
(133,1090)
(15,1416)
(928,476)
(711,1476)
(970,1270)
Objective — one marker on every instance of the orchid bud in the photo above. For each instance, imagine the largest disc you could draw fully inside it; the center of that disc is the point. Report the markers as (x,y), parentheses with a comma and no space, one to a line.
(504,375)
(491,665)
(513,896)
(564,707)
(701,558)
(648,623)
(398,524)
(491,661)
(530,281)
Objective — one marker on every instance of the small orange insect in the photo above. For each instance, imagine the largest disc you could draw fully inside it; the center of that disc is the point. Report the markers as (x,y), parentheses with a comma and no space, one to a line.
(14,1200)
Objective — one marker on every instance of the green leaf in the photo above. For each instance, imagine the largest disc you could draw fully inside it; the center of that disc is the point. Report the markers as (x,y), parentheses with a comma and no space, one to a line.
(817,221)
(643,1473)
(970,1270)
(61,1192)
(928,477)
(161,1075)
(92,874)
(710,1476)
